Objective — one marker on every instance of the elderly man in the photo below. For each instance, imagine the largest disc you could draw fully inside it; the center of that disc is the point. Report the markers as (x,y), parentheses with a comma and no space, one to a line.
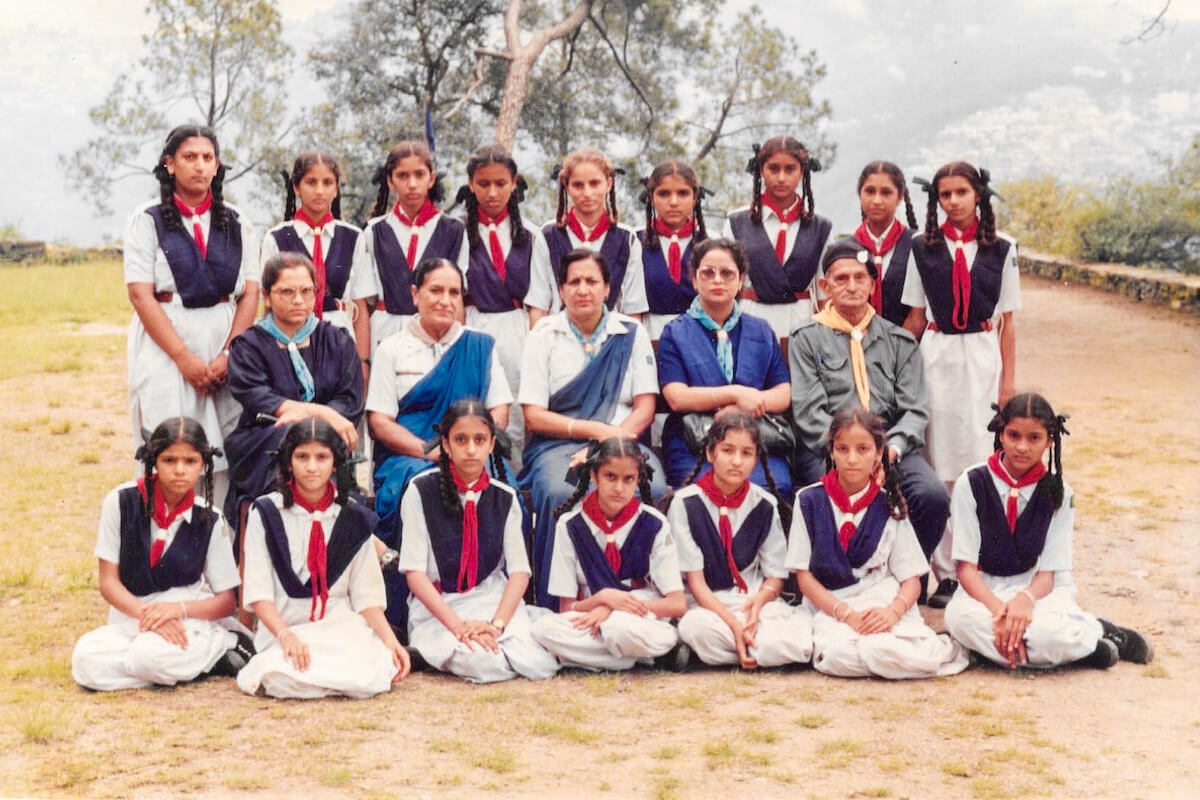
(847,354)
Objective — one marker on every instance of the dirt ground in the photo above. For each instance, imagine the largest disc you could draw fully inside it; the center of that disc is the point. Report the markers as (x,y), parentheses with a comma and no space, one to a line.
(1129,376)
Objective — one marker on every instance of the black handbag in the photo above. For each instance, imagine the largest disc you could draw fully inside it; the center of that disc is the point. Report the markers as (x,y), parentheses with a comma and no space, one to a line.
(775,429)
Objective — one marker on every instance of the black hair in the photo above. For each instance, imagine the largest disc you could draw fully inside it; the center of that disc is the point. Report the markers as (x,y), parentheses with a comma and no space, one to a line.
(979,179)
(430,265)
(562,174)
(732,246)
(300,168)
(167,433)
(483,157)
(220,216)
(857,415)
(897,177)
(680,170)
(808,165)
(281,261)
(582,254)
(1031,405)
(400,151)
(467,407)
(600,452)
(315,429)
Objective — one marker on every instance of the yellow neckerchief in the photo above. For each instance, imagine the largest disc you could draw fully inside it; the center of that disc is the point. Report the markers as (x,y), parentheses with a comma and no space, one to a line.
(858,359)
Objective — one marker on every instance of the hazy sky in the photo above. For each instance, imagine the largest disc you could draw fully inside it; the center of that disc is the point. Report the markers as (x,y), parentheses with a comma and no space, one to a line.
(1024,87)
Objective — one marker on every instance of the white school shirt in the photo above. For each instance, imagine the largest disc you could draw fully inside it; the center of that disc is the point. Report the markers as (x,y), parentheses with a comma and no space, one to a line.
(270,247)
(416,552)
(553,357)
(402,360)
(913,295)
(772,553)
(567,578)
(220,571)
(964,523)
(898,553)
(543,286)
(360,585)
(145,261)
(364,273)
(770,225)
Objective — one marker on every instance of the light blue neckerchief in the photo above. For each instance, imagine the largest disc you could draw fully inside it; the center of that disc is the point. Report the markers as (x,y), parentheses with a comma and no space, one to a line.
(724,343)
(303,374)
(590,350)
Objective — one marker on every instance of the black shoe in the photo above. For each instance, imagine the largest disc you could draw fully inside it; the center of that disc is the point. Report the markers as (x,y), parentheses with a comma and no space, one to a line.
(235,657)
(677,659)
(1131,645)
(390,561)
(945,590)
(1103,657)
(419,664)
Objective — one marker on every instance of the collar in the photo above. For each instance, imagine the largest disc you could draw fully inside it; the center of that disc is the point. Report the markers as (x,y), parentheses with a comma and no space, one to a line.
(421,335)
(561,324)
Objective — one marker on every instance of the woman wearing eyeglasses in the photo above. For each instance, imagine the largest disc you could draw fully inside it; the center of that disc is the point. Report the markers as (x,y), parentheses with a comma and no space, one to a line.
(287,366)
(714,358)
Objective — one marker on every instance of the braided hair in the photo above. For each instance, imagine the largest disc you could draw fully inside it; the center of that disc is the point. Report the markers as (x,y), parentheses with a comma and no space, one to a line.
(303,164)
(897,177)
(979,180)
(315,429)
(598,454)
(220,216)
(680,170)
(1031,405)
(562,173)
(168,432)
(483,157)
(873,424)
(411,148)
(466,407)
(808,165)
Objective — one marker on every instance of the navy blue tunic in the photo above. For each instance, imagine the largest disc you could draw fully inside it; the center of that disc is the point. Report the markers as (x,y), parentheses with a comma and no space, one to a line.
(635,554)
(181,564)
(773,285)
(1003,552)
(829,563)
(391,260)
(445,533)
(338,256)
(615,250)
(747,540)
(936,268)
(201,282)
(663,294)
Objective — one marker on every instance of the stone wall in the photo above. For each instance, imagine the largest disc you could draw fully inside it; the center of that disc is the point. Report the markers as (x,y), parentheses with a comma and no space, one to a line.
(1158,286)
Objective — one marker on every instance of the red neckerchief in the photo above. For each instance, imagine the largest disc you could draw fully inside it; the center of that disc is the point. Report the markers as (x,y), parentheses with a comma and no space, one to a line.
(597,232)
(591,508)
(786,217)
(468,562)
(427,212)
(497,252)
(842,500)
(724,502)
(318,256)
(675,252)
(1028,479)
(863,236)
(195,213)
(962,273)
(316,547)
(163,516)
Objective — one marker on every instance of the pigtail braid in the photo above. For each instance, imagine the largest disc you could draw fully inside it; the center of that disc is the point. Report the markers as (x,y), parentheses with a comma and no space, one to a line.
(221,217)
(166,194)
(289,203)
(650,237)
(520,236)
(755,168)
(698,213)
(909,216)
(933,234)
(451,504)
(897,505)
(987,217)
(581,489)
(381,198)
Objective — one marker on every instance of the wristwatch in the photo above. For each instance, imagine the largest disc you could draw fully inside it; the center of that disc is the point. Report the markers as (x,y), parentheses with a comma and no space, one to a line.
(499,624)
(388,558)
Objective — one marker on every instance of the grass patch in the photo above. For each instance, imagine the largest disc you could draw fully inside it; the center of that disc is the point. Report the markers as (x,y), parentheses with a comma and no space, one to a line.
(812,721)
(335,776)
(41,724)
(666,787)
(957,769)
(247,782)
(838,753)
(88,457)
(500,760)
(666,752)
(719,753)
(567,733)
(1155,671)
(875,791)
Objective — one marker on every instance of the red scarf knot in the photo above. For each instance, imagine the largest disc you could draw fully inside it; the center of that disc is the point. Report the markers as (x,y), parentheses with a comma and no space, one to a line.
(428,211)
(591,508)
(725,502)
(786,217)
(863,237)
(1028,479)
(317,562)
(494,247)
(163,516)
(841,501)
(596,233)
(468,562)
(674,251)
(318,256)
(195,214)
(961,277)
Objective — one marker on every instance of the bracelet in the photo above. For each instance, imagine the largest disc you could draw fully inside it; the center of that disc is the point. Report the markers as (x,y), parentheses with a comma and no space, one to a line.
(225,352)
(1028,594)
(366,361)
(183,608)
(769,589)
(892,606)
(570,426)
(840,603)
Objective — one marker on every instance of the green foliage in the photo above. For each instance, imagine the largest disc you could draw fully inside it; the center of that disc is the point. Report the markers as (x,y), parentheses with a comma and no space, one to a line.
(1045,214)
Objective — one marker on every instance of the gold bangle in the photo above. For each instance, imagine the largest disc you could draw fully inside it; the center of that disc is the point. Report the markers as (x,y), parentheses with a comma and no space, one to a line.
(570,426)
(1029,594)
(840,603)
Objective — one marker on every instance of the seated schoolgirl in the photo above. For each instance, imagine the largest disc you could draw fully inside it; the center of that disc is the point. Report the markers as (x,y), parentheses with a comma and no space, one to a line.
(313,580)
(861,578)
(732,550)
(614,568)
(464,555)
(167,573)
(1013,520)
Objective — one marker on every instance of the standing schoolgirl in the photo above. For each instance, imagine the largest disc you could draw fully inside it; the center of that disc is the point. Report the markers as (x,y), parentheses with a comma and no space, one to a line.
(614,567)
(881,187)
(782,235)
(859,564)
(674,222)
(732,551)
(1013,520)
(464,555)
(590,221)
(313,580)
(166,571)
(192,275)
(395,241)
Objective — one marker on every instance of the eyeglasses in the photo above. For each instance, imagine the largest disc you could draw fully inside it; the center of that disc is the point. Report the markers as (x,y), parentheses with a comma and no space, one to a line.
(726,274)
(308,292)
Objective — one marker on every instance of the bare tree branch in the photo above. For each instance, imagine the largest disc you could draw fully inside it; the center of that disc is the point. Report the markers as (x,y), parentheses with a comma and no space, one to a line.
(1154,28)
